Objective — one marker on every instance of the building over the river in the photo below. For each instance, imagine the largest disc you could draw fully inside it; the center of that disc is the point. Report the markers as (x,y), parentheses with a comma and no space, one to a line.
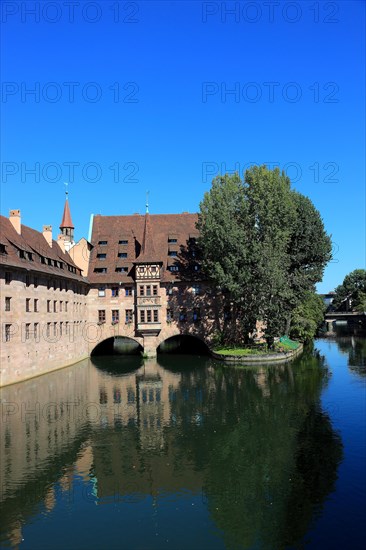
(145,279)
(137,284)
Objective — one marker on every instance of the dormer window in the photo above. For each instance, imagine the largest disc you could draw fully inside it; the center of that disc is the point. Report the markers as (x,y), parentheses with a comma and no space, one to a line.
(172,240)
(102,243)
(122,254)
(22,254)
(100,270)
(121,269)
(101,256)
(3,249)
(123,241)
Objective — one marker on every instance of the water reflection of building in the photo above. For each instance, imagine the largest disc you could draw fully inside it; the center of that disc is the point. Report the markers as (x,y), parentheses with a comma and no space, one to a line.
(133,423)
(42,422)
(41,417)
(139,399)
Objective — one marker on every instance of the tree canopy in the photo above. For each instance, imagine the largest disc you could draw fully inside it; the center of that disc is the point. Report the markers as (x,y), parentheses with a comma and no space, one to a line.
(353,288)
(264,245)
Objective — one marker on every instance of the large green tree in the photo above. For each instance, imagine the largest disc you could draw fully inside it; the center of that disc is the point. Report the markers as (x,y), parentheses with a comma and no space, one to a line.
(264,245)
(354,288)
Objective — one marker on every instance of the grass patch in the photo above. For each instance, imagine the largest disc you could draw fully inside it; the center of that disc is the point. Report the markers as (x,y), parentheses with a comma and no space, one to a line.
(284,345)
(240,351)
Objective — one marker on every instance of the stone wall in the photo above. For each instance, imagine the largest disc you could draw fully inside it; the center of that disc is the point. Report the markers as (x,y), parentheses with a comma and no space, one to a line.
(33,339)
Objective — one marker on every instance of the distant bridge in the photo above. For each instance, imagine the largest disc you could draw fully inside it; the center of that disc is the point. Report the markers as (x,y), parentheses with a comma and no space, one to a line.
(332,318)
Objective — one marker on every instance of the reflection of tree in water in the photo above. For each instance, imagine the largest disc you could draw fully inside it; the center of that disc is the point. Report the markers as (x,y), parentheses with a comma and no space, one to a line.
(268,453)
(356,349)
(318,454)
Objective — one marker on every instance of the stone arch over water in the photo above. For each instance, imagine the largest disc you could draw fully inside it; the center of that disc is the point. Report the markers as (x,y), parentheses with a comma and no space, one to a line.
(117,345)
(183,344)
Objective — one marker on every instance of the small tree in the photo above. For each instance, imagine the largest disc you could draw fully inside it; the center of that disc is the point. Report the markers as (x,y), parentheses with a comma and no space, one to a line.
(353,288)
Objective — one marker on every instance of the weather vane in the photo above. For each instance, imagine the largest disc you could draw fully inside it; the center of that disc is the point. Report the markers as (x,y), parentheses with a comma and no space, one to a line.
(147,202)
(66,191)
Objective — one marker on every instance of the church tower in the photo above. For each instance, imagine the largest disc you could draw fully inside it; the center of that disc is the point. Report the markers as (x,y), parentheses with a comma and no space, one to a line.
(66,227)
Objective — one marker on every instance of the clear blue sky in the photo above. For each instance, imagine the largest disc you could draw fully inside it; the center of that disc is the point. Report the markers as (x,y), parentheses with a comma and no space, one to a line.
(145,86)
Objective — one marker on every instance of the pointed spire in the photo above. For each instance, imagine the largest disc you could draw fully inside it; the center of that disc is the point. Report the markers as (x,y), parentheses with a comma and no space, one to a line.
(66,218)
(67,227)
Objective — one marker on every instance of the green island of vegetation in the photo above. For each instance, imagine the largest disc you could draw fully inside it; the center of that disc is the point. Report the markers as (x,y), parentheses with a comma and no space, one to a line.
(284,345)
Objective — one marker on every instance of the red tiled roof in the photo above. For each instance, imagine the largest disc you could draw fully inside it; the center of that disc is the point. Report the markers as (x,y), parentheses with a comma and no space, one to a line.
(32,241)
(158,228)
(66,218)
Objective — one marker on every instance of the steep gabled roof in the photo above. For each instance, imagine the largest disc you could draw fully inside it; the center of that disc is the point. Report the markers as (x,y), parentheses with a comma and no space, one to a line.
(148,253)
(155,230)
(32,241)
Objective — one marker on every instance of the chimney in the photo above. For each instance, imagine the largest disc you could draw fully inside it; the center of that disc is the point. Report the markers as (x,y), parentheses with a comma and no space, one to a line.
(15,220)
(61,242)
(47,233)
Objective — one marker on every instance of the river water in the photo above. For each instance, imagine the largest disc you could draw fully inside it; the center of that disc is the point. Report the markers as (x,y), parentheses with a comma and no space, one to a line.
(184,453)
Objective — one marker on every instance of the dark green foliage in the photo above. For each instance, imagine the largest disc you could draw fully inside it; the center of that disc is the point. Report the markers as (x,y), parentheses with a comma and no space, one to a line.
(354,288)
(264,245)
(307,317)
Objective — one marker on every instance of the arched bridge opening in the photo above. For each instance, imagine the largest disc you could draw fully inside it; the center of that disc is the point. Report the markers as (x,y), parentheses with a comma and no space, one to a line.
(183,344)
(117,345)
